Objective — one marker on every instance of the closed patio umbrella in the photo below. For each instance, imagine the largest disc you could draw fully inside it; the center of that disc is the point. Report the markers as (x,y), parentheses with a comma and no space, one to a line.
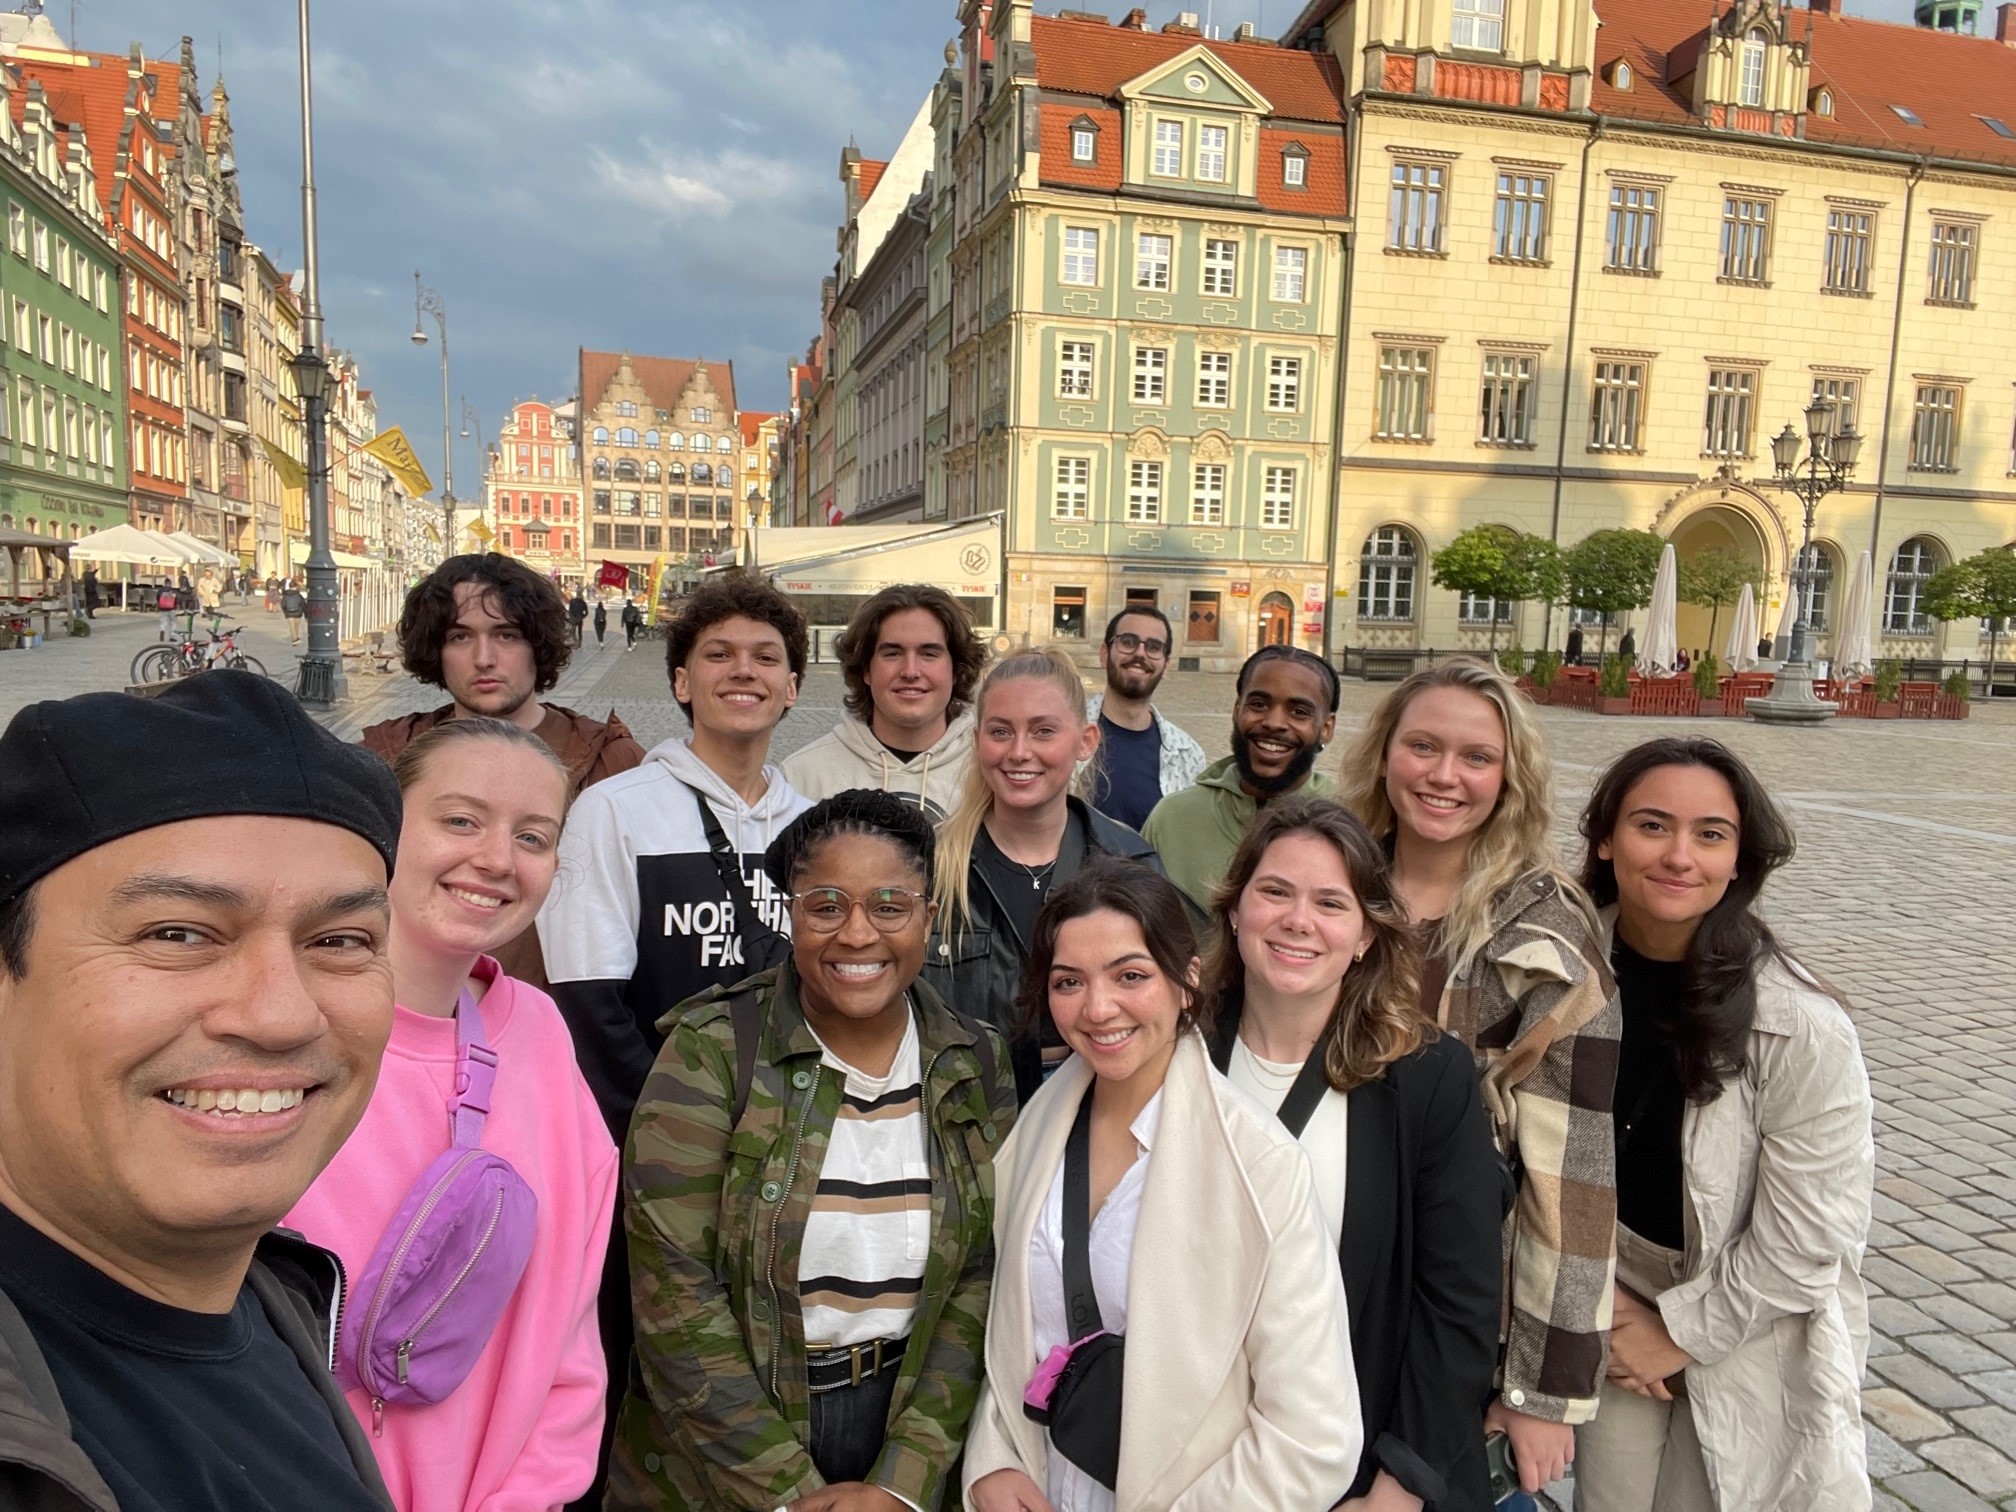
(1781,642)
(1740,655)
(1854,646)
(1656,658)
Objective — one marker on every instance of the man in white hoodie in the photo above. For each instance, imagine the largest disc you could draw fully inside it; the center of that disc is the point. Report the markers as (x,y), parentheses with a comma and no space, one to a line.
(910,660)
(661,892)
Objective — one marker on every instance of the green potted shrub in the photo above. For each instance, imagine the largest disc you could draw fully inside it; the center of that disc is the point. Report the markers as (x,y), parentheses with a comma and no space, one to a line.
(1708,685)
(1889,688)
(1959,696)
(1614,686)
(80,627)
(1512,661)
(1546,671)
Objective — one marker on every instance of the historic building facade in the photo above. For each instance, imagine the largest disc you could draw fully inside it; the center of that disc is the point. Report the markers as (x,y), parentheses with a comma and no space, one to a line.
(1597,269)
(659,458)
(63,451)
(1145,283)
(532,493)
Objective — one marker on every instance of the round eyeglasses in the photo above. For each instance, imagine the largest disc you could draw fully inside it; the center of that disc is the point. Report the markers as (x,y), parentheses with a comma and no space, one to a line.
(1128,643)
(825,910)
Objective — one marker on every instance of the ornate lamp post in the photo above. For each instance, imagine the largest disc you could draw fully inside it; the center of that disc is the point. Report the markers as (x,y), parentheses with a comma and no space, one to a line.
(1830,459)
(472,425)
(428,301)
(321,683)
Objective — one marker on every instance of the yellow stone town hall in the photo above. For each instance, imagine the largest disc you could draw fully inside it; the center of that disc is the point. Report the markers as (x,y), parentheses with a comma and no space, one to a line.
(1590,258)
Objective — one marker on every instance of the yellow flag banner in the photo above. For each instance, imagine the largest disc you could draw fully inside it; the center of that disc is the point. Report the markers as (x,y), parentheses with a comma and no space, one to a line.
(482,532)
(657,580)
(393,449)
(292,473)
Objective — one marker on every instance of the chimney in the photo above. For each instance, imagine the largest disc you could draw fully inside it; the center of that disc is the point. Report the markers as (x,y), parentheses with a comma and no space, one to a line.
(1246,32)
(1135,20)
(2005,25)
(1824,7)
(1185,25)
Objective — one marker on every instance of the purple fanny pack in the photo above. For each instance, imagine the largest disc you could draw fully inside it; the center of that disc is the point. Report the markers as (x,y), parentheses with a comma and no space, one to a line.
(446,1266)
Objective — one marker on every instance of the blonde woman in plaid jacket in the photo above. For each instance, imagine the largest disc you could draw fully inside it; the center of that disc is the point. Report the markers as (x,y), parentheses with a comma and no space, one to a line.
(1451,773)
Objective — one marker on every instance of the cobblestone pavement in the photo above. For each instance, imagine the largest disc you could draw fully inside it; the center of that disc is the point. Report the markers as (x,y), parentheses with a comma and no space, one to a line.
(1898,895)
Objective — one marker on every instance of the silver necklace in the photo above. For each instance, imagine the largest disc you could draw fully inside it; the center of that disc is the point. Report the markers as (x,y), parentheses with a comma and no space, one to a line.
(1038,875)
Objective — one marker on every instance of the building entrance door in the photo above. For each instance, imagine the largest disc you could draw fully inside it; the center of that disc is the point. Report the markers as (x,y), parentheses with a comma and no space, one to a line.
(1277,619)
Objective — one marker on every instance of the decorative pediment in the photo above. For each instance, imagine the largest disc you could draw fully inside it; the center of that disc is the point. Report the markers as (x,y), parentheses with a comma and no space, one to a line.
(1149,444)
(1197,76)
(1212,446)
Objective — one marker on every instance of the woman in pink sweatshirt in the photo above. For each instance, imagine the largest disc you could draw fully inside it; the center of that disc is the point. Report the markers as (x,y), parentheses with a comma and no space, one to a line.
(484,804)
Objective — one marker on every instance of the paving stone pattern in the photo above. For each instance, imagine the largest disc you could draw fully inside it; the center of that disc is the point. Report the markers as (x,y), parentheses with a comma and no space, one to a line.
(1907,853)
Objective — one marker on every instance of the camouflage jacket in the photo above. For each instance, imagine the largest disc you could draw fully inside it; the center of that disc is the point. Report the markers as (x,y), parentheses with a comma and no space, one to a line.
(717,1413)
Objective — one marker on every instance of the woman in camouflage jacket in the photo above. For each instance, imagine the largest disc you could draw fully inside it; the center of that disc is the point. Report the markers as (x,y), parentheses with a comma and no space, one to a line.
(774,1196)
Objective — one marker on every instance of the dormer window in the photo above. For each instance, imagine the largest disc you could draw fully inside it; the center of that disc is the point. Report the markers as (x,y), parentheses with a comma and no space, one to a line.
(1997,125)
(1168,159)
(1084,144)
(1750,85)
(1620,75)
(1823,102)
(1478,25)
(1294,166)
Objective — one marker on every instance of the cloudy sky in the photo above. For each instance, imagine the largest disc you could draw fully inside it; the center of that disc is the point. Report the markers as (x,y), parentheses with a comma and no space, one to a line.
(659,175)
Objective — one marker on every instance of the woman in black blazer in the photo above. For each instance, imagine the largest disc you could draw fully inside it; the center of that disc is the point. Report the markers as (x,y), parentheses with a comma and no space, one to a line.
(1317,980)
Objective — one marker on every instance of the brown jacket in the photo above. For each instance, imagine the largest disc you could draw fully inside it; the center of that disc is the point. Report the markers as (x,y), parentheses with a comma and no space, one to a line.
(591,749)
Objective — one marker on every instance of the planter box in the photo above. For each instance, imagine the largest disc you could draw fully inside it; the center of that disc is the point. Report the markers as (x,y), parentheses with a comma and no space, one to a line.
(1711,708)
(1613,705)
(1949,706)
(1887,711)
(1541,695)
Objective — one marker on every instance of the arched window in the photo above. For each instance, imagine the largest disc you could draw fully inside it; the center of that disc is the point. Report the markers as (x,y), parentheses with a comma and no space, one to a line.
(1386,575)
(1904,591)
(627,470)
(626,435)
(1750,66)
(702,473)
(601,435)
(602,469)
(651,471)
(675,442)
(1820,587)
(723,444)
(651,439)
(675,472)
(725,475)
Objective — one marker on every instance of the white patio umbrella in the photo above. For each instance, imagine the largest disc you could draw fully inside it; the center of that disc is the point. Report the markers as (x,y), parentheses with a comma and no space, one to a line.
(125,544)
(1656,658)
(173,549)
(204,551)
(1740,655)
(1854,647)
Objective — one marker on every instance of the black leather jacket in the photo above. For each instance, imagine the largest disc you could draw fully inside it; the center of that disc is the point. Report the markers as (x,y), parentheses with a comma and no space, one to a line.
(977,967)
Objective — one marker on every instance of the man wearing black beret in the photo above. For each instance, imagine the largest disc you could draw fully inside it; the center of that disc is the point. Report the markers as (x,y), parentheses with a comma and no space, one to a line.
(194,996)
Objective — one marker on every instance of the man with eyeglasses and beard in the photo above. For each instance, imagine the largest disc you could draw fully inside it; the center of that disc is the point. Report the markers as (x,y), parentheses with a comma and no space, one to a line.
(1142,757)
(1285,714)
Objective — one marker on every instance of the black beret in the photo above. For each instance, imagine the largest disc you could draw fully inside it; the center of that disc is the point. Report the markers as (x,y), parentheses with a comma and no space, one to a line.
(78,772)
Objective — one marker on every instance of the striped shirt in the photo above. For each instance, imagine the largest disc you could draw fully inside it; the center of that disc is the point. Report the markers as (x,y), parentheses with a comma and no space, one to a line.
(861,1265)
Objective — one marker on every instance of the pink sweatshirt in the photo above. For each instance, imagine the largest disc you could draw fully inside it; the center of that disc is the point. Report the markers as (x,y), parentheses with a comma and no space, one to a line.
(520,1434)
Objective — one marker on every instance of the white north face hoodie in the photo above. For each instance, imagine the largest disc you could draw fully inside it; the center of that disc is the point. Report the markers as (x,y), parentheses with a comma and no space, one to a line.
(849,756)
(639,918)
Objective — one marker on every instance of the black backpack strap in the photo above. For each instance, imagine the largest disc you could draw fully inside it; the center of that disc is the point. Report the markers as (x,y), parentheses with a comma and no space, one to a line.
(1080,1300)
(762,946)
(745,1013)
(1310,1084)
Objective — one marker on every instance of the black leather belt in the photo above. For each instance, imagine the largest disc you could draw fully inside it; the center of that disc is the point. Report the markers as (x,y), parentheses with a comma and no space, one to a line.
(830,1369)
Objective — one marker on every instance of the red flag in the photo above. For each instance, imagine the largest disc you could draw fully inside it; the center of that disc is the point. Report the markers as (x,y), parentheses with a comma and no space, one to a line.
(613,575)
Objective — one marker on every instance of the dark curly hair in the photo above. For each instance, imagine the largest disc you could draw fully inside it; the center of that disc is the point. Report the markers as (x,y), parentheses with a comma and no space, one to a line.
(857,811)
(856,644)
(1711,1032)
(731,595)
(1295,654)
(511,591)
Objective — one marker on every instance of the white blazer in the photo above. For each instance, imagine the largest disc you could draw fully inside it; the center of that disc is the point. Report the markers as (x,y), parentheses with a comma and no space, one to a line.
(1240,1390)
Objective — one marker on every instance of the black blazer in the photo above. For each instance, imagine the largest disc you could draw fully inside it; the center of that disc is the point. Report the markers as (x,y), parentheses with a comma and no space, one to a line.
(1425,1198)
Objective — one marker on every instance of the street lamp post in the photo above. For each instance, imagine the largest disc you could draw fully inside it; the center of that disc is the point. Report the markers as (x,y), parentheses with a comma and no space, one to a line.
(320,683)
(1830,459)
(428,301)
(472,425)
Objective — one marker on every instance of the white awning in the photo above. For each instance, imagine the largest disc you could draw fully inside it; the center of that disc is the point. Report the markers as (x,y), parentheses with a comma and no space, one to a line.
(297,553)
(130,545)
(201,550)
(963,559)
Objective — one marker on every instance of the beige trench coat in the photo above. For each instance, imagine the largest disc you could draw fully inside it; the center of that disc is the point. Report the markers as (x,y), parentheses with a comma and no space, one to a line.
(1240,1391)
(1779,1171)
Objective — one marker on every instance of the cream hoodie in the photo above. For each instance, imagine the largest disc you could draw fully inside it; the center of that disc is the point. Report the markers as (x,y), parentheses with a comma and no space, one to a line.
(849,756)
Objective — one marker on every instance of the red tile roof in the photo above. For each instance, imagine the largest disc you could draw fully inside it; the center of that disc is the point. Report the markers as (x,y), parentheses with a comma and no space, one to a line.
(664,378)
(93,95)
(1868,66)
(871,175)
(1094,58)
(1325,179)
(752,421)
(1103,172)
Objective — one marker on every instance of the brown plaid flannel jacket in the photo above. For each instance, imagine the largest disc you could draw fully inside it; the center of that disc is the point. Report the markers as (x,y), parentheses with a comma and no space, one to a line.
(1538,1008)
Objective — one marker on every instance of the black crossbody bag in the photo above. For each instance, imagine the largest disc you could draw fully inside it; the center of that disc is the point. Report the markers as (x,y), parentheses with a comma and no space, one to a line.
(1075,1393)
(1299,1106)
(762,946)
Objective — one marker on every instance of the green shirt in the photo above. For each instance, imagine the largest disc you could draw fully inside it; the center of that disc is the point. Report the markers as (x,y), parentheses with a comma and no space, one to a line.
(1196,830)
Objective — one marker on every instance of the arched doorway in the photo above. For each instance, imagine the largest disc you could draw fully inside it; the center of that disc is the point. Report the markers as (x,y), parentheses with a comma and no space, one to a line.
(1728,529)
(1277,619)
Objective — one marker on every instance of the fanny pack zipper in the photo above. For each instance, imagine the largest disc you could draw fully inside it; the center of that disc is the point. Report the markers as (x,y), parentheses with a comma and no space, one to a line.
(405,1354)
(370,1329)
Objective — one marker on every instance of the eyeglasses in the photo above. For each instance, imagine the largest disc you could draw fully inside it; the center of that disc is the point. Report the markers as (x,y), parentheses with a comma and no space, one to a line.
(826,910)
(1129,642)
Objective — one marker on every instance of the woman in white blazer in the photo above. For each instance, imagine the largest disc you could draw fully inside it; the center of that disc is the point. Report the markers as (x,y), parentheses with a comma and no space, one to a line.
(1744,1164)
(1207,1253)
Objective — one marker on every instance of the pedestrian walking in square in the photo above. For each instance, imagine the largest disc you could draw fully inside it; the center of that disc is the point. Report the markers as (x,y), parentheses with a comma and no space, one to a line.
(577,614)
(1745,1163)
(90,593)
(633,621)
(295,607)
(601,621)
(1452,777)
(166,601)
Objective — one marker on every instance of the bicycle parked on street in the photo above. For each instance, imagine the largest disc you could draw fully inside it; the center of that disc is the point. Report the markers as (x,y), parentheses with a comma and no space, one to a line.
(179,658)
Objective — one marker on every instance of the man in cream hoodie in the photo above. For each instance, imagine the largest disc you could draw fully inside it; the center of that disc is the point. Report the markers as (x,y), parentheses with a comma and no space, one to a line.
(910,660)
